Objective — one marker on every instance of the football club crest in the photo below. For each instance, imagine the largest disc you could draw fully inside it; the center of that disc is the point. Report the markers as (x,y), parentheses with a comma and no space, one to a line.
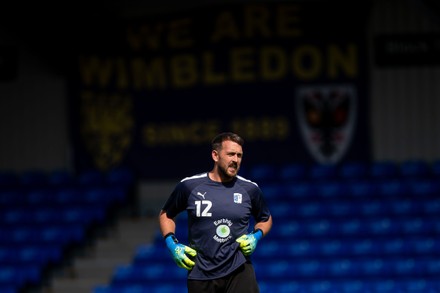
(327,117)
(237,197)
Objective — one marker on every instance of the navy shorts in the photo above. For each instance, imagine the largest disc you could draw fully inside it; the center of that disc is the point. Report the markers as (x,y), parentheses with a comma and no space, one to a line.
(242,280)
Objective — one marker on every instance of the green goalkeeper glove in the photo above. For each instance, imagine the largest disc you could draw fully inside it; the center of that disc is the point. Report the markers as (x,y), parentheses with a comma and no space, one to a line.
(248,242)
(180,252)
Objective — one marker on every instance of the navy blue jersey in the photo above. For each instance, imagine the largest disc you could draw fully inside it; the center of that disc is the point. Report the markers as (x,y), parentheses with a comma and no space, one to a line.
(218,213)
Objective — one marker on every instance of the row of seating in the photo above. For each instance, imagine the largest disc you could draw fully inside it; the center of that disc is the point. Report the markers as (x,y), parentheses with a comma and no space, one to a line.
(357,208)
(419,285)
(44,216)
(355,227)
(415,246)
(367,189)
(265,172)
(31,179)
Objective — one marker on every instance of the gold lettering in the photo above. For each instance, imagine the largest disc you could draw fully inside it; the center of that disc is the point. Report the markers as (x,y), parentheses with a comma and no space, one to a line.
(242,65)
(256,19)
(151,76)
(262,128)
(211,77)
(193,133)
(225,28)
(148,36)
(183,71)
(338,61)
(95,71)
(180,34)
(310,55)
(122,80)
(288,21)
(273,63)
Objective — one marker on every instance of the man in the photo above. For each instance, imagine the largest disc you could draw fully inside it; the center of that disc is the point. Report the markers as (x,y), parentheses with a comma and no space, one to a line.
(220,205)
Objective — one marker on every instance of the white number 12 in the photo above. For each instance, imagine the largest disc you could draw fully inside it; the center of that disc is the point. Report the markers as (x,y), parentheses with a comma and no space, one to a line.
(207,206)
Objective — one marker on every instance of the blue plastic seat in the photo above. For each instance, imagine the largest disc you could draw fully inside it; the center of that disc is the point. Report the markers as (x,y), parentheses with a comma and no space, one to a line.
(424,245)
(374,267)
(300,190)
(280,270)
(293,172)
(343,268)
(308,209)
(362,189)
(91,178)
(412,169)
(331,190)
(363,247)
(9,180)
(424,188)
(282,209)
(61,178)
(274,191)
(34,179)
(393,189)
(263,173)
(354,171)
(322,172)
(394,246)
(309,269)
(373,208)
(321,227)
(382,226)
(120,176)
(42,197)
(332,248)
(405,207)
(431,207)
(417,226)
(352,227)
(380,170)
(12,198)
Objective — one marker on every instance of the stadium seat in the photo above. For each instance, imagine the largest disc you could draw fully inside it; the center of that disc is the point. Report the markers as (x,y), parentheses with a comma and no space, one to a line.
(331,190)
(354,171)
(120,176)
(362,189)
(262,173)
(300,191)
(61,178)
(34,179)
(9,180)
(412,169)
(293,172)
(91,178)
(380,170)
(322,172)
(392,188)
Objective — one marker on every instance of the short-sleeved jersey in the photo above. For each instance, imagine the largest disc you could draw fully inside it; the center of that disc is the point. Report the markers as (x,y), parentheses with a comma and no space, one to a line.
(218,213)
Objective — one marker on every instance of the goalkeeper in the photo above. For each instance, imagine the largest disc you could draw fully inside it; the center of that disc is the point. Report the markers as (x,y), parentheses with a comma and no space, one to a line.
(220,206)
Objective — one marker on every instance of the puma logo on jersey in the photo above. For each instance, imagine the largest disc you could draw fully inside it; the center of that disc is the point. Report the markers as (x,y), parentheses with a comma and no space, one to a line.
(201,194)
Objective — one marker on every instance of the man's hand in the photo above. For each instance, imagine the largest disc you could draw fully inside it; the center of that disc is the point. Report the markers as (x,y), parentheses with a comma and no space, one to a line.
(248,242)
(180,252)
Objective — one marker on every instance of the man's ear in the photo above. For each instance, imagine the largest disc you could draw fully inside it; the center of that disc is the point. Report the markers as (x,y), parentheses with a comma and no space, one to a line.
(214,155)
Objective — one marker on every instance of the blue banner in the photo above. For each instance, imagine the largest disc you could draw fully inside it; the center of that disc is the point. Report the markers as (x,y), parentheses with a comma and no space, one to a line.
(290,78)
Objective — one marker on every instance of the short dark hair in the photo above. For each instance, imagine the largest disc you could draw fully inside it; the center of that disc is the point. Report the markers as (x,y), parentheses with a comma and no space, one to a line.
(219,138)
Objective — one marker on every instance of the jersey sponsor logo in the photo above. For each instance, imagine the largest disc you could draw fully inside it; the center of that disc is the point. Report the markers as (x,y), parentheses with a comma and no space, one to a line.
(238,197)
(223,231)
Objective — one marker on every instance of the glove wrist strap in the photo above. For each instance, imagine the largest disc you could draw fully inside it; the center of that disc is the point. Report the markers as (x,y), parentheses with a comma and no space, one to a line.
(171,240)
(258,233)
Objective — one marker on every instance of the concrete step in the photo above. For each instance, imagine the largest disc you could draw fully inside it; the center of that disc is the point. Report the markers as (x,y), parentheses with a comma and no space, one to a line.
(97,265)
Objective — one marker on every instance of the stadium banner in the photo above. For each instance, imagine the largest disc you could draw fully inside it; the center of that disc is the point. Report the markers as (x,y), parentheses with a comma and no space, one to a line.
(291,78)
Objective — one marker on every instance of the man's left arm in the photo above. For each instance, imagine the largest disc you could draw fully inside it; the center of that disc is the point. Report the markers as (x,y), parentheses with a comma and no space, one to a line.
(248,242)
